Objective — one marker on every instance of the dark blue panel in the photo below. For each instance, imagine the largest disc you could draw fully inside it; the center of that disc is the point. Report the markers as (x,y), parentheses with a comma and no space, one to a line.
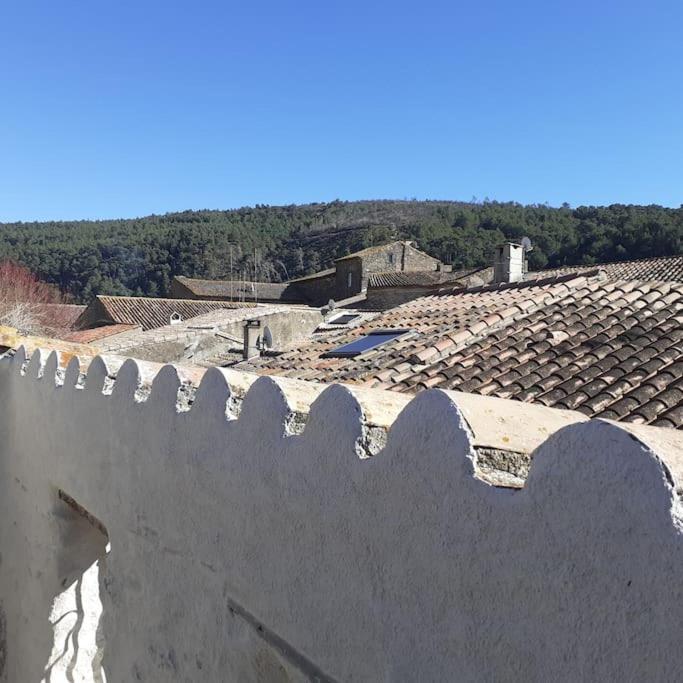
(364,344)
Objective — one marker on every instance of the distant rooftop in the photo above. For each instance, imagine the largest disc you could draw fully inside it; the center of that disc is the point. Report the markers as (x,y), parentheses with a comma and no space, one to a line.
(328,272)
(666,268)
(239,289)
(146,312)
(421,278)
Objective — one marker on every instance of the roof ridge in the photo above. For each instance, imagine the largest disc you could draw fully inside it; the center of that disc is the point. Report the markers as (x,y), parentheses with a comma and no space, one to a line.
(238,280)
(522,284)
(642,259)
(120,297)
(325,272)
(578,267)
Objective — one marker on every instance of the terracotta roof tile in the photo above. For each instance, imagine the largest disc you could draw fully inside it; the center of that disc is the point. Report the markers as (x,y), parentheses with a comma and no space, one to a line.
(663,268)
(607,347)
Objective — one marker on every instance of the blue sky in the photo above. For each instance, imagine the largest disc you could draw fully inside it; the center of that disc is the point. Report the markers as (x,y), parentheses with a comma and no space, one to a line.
(123,109)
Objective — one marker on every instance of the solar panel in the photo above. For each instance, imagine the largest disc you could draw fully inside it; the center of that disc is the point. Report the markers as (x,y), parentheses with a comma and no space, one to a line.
(369,341)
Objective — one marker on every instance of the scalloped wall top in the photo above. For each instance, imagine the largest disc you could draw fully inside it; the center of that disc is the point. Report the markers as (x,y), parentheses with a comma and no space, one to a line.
(271,529)
(495,423)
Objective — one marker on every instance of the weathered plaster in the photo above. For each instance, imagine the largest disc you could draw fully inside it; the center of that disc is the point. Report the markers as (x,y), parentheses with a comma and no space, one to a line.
(253,539)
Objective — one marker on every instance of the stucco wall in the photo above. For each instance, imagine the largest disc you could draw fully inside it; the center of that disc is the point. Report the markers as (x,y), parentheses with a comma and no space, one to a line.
(252,538)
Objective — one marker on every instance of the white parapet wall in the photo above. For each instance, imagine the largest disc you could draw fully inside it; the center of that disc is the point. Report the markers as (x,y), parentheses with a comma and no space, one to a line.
(263,530)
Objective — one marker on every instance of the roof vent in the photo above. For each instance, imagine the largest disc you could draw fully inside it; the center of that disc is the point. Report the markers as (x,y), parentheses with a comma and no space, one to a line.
(175,318)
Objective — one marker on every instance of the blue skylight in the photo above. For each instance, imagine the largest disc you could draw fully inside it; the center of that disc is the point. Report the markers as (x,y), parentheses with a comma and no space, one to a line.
(369,341)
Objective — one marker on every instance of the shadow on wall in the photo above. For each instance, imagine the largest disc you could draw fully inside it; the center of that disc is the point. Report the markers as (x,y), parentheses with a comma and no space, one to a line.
(77,645)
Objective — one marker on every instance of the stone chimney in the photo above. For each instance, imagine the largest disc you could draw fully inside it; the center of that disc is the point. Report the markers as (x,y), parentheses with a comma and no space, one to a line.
(510,263)
(252,335)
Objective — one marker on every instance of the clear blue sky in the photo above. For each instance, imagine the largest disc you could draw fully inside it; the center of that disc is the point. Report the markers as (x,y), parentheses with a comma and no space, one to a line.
(118,109)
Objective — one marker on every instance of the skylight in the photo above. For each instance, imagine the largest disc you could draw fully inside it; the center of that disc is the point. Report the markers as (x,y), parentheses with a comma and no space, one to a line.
(344,319)
(369,341)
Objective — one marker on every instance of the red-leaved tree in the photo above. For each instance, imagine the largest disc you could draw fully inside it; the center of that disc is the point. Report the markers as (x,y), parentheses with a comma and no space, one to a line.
(29,304)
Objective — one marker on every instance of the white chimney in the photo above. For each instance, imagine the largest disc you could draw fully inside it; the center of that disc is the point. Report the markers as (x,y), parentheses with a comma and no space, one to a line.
(510,263)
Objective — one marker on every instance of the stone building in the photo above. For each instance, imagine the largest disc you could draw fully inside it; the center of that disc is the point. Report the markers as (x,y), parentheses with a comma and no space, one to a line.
(346,280)
(352,272)
(387,290)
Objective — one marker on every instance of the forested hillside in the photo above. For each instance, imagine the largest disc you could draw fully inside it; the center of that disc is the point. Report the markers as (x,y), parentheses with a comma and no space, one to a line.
(140,256)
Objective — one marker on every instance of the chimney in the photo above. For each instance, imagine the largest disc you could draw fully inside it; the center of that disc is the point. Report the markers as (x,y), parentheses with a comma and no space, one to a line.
(252,336)
(510,263)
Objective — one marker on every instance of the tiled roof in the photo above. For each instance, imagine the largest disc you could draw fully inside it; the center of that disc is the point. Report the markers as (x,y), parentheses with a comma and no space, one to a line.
(420,278)
(149,313)
(608,348)
(239,289)
(98,333)
(666,268)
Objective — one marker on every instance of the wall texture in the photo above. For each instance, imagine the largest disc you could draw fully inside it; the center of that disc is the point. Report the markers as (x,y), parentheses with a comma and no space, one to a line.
(220,534)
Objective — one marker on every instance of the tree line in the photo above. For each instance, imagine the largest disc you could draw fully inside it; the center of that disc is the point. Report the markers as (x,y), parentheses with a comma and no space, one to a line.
(274,243)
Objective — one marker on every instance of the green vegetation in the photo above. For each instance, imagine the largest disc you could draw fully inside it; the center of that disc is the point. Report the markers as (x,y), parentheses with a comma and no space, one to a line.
(141,256)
